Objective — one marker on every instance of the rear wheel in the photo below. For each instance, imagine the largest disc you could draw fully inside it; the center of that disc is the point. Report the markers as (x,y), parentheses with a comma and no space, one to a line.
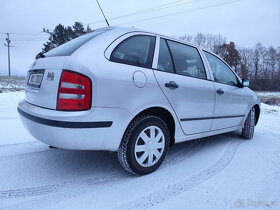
(249,125)
(144,145)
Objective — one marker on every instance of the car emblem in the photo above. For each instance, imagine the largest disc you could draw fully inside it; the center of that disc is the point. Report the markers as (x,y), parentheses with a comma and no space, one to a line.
(50,76)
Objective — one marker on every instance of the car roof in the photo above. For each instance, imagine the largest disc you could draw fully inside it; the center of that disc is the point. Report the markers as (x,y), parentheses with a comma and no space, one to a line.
(132,29)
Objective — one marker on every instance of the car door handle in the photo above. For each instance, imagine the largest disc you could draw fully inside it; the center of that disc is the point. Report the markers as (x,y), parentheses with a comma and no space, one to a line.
(171,84)
(220,91)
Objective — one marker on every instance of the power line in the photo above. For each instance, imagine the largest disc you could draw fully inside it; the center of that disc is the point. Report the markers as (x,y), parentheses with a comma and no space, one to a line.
(152,9)
(177,13)
(39,36)
(32,37)
(17,33)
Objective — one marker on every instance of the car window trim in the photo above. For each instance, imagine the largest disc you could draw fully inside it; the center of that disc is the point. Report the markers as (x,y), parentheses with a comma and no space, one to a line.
(181,74)
(171,56)
(150,57)
(166,39)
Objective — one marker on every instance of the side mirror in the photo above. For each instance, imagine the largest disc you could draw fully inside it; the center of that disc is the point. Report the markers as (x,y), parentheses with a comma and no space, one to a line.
(246,82)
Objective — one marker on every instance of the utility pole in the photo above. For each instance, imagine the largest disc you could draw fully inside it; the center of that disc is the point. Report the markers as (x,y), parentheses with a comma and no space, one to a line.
(8,45)
(103,13)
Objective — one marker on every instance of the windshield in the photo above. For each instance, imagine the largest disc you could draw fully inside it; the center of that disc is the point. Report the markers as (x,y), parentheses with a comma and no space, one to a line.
(70,47)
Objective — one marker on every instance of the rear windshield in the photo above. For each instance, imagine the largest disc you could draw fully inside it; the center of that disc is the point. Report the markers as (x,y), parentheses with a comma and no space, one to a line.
(70,47)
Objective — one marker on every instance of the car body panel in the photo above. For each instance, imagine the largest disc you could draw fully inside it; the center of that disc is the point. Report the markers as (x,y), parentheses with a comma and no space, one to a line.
(106,138)
(234,97)
(116,97)
(46,95)
(192,100)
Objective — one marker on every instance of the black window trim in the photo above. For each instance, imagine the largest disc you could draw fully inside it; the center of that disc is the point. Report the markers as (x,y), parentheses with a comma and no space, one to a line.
(239,85)
(150,53)
(171,56)
(166,39)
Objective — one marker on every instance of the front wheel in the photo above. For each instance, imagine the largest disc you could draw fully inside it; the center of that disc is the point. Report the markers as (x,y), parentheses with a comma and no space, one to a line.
(249,125)
(144,145)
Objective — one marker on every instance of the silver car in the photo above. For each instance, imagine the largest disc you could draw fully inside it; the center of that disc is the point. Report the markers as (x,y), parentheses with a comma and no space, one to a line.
(134,92)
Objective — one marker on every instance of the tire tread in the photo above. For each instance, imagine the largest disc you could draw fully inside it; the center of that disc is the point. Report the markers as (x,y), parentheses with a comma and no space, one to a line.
(122,151)
(248,129)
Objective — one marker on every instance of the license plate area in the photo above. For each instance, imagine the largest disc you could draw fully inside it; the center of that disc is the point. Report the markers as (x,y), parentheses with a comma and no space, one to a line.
(35,78)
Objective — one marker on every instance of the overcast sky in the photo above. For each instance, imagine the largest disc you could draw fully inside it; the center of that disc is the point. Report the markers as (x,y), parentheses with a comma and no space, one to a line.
(245,22)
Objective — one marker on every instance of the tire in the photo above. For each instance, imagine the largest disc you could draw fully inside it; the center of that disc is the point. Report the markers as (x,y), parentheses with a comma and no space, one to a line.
(144,145)
(249,125)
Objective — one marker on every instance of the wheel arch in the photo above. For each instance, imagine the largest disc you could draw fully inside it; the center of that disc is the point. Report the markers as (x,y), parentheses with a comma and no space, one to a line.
(165,115)
(257,113)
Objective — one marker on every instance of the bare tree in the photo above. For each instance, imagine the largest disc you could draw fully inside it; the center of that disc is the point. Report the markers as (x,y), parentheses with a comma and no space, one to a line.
(259,63)
(258,56)
(200,40)
(218,40)
(187,38)
(277,74)
(271,61)
(209,41)
(246,62)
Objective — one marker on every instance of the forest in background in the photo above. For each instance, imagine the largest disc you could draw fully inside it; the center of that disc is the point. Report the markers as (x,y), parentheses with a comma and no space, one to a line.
(260,64)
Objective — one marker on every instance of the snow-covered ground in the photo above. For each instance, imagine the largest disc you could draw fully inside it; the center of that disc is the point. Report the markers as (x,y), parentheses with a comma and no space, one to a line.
(222,172)
(268,93)
(14,83)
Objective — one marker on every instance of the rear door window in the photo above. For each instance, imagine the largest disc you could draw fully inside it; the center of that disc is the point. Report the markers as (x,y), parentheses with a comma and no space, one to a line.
(136,50)
(187,60)
(70,47)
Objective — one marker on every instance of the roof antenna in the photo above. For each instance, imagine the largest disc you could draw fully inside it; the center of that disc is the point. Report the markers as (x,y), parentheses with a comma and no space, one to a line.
(102,13)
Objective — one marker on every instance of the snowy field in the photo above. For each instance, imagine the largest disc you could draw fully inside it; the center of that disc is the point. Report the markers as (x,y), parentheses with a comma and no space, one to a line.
(268,93)
(221,172)
(14,83)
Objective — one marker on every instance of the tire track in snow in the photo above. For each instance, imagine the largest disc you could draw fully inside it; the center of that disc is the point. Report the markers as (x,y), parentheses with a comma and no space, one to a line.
(173,190)
(189,151)
(30,143)
(22,149)
(20,155)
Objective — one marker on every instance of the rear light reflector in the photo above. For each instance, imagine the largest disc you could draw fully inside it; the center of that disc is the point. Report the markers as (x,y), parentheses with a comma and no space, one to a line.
(74,92)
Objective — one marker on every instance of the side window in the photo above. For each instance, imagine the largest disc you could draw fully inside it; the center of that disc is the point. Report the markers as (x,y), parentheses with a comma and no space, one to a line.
(164,59)
(187,60)
(221,72)
(136,50)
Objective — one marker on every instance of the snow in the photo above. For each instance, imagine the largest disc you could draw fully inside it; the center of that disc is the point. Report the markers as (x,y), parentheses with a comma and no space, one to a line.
(9,119)
(268,93)
(11,83)
(221,172)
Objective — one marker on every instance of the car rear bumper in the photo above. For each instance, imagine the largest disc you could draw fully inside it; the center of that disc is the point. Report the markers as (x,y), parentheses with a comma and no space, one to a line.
(94,129)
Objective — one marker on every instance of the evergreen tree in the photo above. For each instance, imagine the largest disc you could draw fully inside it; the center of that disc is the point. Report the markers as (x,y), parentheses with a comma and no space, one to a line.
(62,34)
(230,54)
(78,29)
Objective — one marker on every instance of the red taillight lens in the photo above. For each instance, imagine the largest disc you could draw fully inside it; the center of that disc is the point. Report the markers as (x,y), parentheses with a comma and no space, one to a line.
(74,92)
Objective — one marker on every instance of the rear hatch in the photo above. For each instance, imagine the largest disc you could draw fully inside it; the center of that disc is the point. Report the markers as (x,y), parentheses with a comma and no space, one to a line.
(43,80)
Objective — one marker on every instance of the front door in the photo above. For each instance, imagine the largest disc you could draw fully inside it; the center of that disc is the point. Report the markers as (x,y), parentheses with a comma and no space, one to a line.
(231,102)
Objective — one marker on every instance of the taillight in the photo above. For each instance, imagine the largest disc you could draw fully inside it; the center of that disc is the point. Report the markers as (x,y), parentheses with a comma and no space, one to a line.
(74,92)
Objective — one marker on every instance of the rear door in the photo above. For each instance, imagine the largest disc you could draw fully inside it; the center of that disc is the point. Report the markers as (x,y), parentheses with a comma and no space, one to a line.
(231,102)
(182,77)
